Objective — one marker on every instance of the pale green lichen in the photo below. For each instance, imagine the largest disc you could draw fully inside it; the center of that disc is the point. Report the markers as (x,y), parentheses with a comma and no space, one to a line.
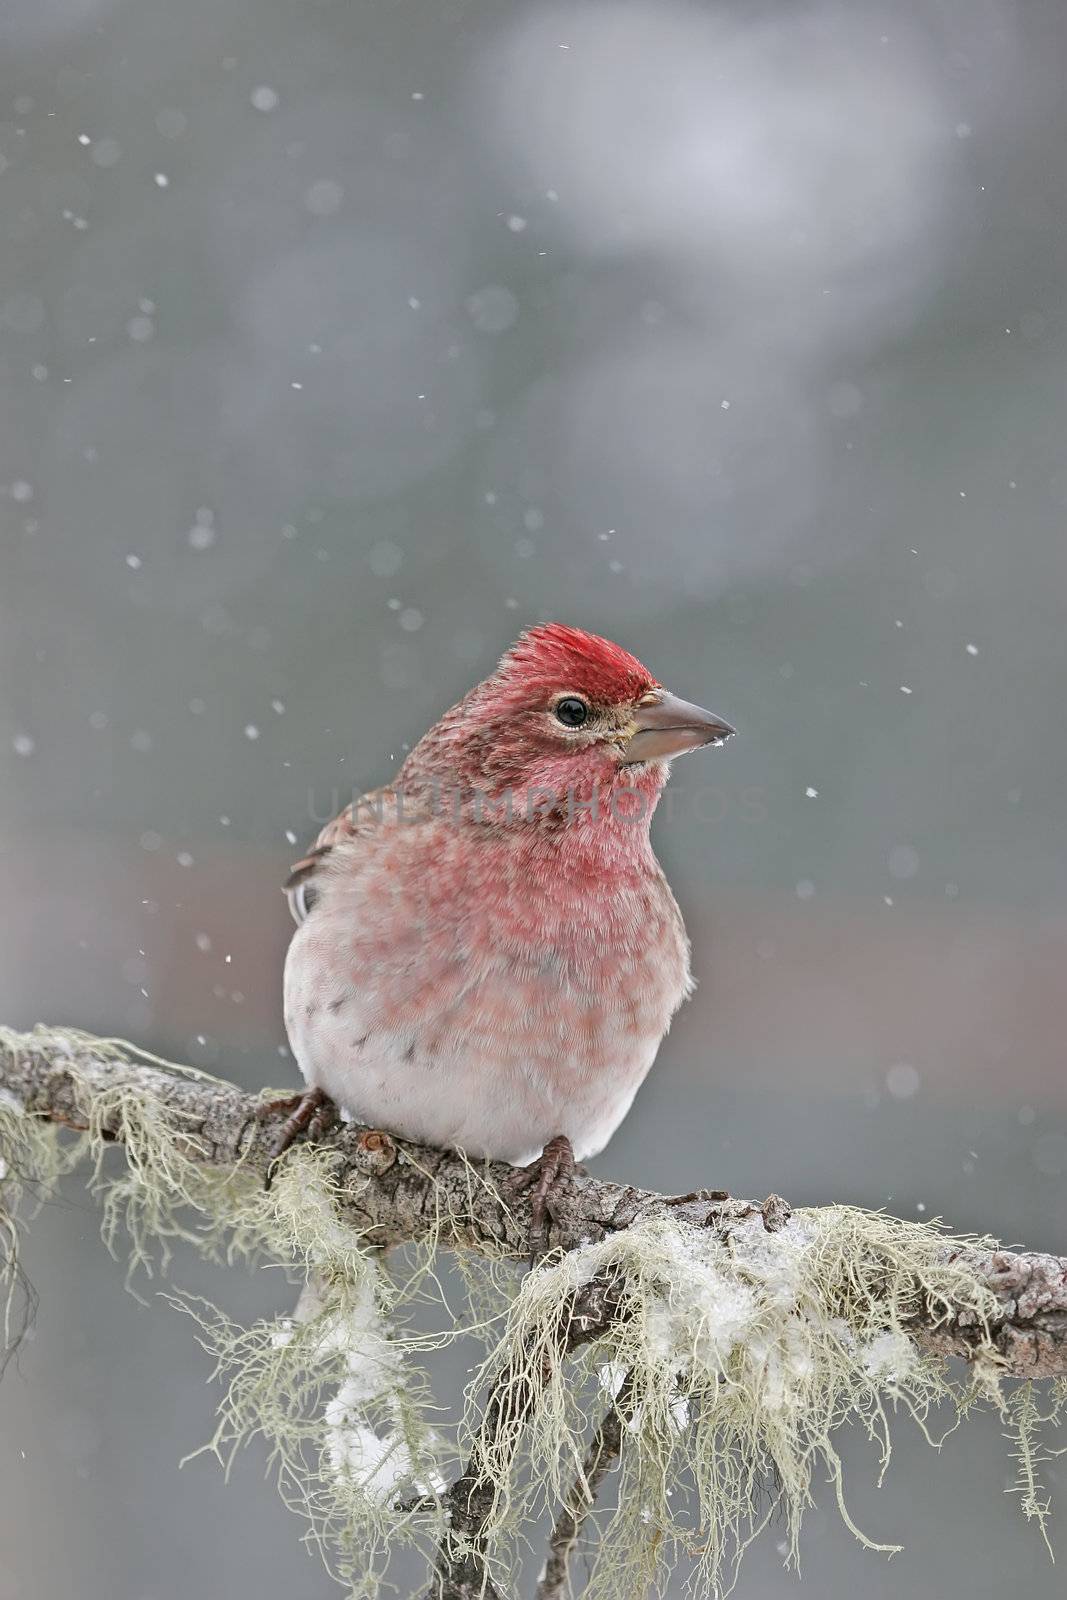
(344,1416)
(741,1359)
(31,1164)
(336,1389)
(1030,1448)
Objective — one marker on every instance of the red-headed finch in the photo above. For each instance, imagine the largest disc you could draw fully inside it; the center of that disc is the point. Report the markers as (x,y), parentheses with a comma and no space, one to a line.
(488,952)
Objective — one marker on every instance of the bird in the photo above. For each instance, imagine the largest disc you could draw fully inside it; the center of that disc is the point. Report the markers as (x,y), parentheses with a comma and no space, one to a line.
(487,953)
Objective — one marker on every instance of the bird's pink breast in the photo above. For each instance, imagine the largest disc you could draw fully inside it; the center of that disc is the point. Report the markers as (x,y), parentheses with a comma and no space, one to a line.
(486,989)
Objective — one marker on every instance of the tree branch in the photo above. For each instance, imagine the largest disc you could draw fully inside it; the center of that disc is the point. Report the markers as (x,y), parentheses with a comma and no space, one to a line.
(395,1192)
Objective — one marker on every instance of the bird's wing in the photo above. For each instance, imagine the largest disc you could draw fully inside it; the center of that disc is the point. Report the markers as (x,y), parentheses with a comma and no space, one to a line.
(356,822)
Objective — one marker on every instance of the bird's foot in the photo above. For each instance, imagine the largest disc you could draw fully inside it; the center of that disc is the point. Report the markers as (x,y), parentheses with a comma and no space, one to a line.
(550,1176)
(311,1113)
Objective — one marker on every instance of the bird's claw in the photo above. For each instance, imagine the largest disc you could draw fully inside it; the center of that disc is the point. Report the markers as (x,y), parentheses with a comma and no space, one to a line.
(266,1109)
(549,1176)
(311,1113)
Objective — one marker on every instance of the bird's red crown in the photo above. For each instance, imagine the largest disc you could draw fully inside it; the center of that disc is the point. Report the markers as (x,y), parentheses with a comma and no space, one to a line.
(556,656)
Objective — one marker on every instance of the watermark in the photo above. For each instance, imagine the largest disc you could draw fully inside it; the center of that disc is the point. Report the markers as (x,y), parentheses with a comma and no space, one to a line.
(587,804)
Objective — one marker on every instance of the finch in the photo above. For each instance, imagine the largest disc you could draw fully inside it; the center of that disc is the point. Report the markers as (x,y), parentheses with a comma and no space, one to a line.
(488,953)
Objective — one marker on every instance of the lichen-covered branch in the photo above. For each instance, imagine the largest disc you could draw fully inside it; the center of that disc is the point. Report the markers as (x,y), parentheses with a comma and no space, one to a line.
(391,1192)
(743,1336)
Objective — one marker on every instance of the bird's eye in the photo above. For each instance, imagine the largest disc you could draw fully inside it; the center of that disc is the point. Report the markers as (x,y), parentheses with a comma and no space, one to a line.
(571,711)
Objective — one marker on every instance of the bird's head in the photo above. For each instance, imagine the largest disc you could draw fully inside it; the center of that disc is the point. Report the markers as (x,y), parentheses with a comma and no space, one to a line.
(564,712)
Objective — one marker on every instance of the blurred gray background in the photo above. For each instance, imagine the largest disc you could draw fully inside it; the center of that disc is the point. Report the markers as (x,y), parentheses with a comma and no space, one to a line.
(340,340)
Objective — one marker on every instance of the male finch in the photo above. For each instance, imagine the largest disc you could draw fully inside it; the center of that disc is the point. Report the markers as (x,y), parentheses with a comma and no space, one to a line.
(488,953)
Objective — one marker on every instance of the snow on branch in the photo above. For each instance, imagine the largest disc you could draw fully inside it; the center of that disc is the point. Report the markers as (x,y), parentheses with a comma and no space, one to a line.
(703,1349)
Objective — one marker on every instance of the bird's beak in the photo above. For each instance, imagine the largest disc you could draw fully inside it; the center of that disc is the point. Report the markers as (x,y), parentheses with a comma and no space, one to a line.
(668,726)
